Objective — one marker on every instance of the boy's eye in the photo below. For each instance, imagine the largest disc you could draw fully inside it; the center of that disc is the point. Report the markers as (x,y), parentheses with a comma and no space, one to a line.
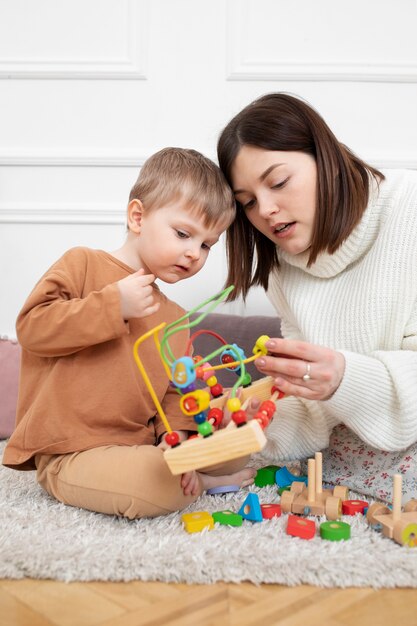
(205,246)
(182,234)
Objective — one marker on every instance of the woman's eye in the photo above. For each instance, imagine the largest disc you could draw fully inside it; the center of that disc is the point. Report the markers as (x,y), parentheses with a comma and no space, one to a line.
(249,204)
(279,185)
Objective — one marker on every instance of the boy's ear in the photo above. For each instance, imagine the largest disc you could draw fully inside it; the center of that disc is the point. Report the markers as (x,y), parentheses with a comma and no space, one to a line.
(134,215)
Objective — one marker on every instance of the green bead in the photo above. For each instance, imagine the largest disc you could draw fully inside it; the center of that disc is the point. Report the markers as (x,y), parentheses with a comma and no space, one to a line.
(205,429)
(247,380)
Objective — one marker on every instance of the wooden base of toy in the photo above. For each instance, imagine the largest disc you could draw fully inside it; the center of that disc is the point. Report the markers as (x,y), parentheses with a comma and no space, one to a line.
(401,527)
(260,389)
(223,445)
(325,503)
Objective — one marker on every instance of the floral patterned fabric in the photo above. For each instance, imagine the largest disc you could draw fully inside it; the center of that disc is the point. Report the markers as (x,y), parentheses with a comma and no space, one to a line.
(351,462)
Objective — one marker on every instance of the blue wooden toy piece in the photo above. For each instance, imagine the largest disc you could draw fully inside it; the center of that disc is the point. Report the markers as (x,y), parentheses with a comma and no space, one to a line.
(251,509)
(284,477)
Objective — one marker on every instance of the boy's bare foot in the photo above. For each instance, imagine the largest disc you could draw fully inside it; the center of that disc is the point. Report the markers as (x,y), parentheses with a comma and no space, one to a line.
(194,483)
(243,478)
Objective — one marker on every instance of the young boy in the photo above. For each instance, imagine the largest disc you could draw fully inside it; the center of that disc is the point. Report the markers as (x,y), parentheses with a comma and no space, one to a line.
(85,419)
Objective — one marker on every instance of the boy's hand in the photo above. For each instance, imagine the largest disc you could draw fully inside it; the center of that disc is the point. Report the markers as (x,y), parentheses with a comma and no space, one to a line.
(190,484)
(136,295)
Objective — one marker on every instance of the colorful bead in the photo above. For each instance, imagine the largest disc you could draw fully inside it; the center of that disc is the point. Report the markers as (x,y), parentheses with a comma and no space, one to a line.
(233,404)
(172,439)
(262,419)
(211,381)
(239,418)
(200,418)
(215,417)
(280,393)
(268,407)
(216,390)
(259,347)
(205,429)
(246,380)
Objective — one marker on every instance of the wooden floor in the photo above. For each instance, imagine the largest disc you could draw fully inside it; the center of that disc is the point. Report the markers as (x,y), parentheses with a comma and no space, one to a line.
(46,603)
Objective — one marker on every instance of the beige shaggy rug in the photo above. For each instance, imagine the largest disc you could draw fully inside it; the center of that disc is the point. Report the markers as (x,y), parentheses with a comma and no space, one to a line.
(41,538)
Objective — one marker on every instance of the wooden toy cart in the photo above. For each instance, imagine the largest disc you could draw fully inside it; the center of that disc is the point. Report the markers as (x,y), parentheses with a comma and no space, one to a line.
(313,499)
(401,526)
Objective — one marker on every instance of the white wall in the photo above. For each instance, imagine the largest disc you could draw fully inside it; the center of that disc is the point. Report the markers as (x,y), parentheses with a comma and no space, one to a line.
(90,88)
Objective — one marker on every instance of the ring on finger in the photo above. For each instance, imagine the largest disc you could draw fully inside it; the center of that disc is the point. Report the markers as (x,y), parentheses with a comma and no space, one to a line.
(307,376)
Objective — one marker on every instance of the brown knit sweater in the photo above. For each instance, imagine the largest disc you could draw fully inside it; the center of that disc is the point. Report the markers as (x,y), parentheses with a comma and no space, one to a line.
(79,384)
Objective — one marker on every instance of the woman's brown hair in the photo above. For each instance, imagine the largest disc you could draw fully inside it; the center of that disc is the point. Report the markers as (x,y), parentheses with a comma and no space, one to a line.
(279,121)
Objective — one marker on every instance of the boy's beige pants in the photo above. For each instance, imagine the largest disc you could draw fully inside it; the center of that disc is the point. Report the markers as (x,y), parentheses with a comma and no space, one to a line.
(131,481)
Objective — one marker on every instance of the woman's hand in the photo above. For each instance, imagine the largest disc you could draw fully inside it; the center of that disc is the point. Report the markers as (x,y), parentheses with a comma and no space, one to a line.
(302,369)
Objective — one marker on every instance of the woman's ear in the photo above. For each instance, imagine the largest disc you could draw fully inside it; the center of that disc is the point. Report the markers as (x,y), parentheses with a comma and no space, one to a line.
(134,215)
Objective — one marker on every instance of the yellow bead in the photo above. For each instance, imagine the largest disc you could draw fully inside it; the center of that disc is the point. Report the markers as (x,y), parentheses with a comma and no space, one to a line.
(259,347)
(233,404)
(211,381)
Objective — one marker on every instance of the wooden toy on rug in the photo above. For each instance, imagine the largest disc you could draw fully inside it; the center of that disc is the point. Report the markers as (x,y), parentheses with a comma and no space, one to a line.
(352,507)
(300,527)
(241,437)
(399,525)
(313,499)
(266,475)
(197,521)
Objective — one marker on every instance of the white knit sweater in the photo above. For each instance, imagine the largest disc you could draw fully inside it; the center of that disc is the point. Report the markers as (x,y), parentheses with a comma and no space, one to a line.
(362,301)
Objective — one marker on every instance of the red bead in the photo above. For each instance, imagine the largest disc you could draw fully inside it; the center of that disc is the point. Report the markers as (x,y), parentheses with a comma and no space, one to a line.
(190,404)
(268,407)
(227,358)
(197,358)
(215,416)
(239,418)
(216,390)
(280,393)
(262,419)
(199,372)
(172,439)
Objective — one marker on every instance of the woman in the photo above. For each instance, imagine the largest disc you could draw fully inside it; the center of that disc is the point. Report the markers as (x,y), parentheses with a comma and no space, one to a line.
(333,242)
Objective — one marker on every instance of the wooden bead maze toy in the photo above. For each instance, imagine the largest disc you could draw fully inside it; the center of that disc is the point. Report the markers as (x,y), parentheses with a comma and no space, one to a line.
(212,445)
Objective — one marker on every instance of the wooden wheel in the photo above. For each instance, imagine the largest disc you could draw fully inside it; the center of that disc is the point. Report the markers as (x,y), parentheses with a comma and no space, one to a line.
(297,487)
(333,508)
(376,509)
(341,492)
(405,533)
(411,506)
(286,502)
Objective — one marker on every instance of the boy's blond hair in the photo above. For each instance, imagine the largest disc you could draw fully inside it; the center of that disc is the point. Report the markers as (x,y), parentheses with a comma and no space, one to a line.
(183,174)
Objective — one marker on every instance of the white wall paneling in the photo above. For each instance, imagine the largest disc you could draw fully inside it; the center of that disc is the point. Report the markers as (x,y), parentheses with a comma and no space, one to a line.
(103,39)
(276,40)
(88,90)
